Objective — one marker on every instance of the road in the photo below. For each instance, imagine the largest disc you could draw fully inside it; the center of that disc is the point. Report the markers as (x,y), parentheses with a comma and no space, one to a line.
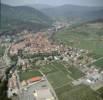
(49,85)
(6,58)
(95,61)
(6,61)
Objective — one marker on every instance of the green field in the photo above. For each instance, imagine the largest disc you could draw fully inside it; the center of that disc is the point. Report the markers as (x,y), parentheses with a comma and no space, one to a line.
(49,68)
(59,75)
(58,79)
(100,91)
(83,36)
(29,74)
(99,63)
(77,93)
(75,73)
(61,78)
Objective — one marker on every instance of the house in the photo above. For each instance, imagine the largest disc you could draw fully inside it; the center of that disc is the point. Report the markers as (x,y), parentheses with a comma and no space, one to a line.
(34,79)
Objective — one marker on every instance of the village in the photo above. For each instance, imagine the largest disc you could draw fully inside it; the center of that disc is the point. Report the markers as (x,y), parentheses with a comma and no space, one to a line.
(29,81)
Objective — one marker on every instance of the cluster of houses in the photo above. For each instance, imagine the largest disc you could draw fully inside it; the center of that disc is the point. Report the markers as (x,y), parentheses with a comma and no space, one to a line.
(75,56)
(93,75)
(23,64)
(13,86)
(2,68)
(38,43)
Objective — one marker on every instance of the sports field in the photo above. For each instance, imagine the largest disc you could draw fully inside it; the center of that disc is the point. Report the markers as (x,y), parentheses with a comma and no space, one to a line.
(29,74)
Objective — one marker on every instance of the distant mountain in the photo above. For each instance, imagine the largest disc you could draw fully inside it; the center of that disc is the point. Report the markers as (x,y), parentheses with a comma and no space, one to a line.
(72,12)
(40,6)
(97,21)
(22,17)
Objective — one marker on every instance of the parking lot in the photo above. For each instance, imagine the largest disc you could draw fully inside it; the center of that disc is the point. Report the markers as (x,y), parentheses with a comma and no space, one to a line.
(27,92)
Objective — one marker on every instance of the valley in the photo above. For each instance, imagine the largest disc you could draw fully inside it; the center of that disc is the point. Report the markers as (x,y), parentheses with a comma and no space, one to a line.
(51,53)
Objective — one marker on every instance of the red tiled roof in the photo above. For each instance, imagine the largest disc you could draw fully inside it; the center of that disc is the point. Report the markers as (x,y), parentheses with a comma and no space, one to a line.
(34,79)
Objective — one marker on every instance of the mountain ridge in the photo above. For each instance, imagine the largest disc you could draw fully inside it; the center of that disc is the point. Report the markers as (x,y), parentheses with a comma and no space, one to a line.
(75,11)
(40,6)
(23,15)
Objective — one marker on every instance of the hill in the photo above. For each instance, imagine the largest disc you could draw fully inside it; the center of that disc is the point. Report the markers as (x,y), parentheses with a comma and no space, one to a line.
(22,17)
(73,12)
(40,6)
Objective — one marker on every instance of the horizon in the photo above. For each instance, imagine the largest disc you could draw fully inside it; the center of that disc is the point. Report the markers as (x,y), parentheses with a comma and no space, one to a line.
(90,3)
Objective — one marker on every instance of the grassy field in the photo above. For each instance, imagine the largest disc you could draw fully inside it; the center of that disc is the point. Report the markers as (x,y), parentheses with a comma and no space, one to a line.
(75,73)
(61,78)
(100,91)
(49,68)
(29,74)
(58,79)
(58,75)
(77,93)
(99,63)
(85,36)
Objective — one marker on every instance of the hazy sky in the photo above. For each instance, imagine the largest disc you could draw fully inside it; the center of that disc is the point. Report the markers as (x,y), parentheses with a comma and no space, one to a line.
(55,2)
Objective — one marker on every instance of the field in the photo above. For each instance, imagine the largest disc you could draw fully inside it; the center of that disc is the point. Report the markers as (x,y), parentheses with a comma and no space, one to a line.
(77,93)
(87,36)
(29,74)
(61,78)
(99,63)
(58,79)
(100,91)
(57,74)
(47,69)
(75,73)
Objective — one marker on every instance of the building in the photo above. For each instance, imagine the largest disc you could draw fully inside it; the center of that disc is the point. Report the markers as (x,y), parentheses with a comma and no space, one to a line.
(31,80)
(34,79)
(34,44)
(12,86)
